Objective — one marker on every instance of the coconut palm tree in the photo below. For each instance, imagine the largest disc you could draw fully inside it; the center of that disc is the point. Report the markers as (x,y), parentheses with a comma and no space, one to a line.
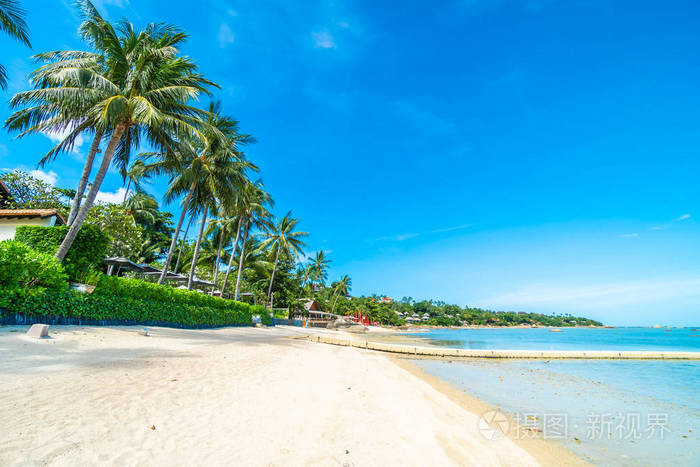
(142,207)
(73,70)
(220,229)
(214,161)
(341,288)
(318,269)
(137,173)
(253,202)
(12,23)
(146,92)
(283,237)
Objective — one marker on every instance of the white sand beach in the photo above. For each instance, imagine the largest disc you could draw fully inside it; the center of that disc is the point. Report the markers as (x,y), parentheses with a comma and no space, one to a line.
(235,396)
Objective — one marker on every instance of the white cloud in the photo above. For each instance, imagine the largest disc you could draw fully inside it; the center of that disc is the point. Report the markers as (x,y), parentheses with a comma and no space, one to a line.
(57,137)
(323,40)
(683,217)
(226,36)
(107,197)
(452,229)
(597,295)
(49,177)
(629,235)
(657,227)
(397,238)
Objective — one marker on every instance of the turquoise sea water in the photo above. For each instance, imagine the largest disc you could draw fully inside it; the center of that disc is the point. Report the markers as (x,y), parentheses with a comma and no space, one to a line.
(610,412)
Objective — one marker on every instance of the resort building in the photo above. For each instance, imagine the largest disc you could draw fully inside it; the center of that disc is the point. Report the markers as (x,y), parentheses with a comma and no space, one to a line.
(10,219)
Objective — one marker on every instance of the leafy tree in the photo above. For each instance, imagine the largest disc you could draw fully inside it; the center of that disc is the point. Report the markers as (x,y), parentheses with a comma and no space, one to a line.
(126,235)
(29,192)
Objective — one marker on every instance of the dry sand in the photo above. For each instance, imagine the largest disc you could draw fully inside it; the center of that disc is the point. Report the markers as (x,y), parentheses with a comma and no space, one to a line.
(242,396)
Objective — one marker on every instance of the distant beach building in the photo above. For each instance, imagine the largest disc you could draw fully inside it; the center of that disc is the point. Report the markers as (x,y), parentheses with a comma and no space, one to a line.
(387,300)
(10,219)
(5,196)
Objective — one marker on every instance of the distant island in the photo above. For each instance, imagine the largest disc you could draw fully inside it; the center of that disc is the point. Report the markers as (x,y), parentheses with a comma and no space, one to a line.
(386,311)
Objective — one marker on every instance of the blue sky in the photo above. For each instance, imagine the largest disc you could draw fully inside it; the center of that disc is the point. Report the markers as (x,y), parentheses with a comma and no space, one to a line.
(523,155)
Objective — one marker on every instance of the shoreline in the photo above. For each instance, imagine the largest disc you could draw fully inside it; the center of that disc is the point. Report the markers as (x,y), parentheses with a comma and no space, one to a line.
(546,452)
(348,339)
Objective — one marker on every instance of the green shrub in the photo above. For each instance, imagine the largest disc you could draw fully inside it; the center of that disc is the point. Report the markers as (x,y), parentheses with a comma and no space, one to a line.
(54,306)
(86,252)
(22,267)
(264,313)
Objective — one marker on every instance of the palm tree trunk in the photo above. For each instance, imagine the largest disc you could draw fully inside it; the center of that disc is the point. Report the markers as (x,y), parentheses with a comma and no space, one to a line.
(87,168)
(92,194)
(218,257)
(177,233)
(230,260)
(126,193)
(190,281)
(182,245)
(274,268)
(334,302)
(240,260)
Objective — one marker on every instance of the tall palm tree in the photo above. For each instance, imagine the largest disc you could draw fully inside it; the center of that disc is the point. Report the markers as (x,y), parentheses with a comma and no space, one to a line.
(74,70)
(253,202)
(142,207)
(146,92)
(136,175)
(12,23)
(283,237)
(213,160)
(341,288)
(319,267)
(192,209)
(220,229)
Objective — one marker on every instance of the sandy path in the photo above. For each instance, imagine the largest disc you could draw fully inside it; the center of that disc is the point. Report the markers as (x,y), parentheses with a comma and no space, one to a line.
(224,397)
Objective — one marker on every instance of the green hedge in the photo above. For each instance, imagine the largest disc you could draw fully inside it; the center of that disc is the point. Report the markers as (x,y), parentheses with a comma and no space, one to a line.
(136,288)
(86,252)
(71,307)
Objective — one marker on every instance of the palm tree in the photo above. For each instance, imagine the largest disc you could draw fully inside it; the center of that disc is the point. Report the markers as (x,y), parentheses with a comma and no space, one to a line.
(182,244)
(252,204)
(74,70)
(137,173)
(220,229)
(142,207)
(341,288)
(282,237)
(12,22)
(145,92)
(318,268)
(213,160)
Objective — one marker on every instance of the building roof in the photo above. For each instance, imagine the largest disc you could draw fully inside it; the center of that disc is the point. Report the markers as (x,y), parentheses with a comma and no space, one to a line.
(31,214)
(310,304)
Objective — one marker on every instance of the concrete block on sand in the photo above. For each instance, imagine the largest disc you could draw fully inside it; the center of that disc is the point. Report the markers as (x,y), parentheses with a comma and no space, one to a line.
(38,331)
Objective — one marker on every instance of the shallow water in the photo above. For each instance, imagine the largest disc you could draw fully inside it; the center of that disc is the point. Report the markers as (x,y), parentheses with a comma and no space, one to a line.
(610,412)
(658,339)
